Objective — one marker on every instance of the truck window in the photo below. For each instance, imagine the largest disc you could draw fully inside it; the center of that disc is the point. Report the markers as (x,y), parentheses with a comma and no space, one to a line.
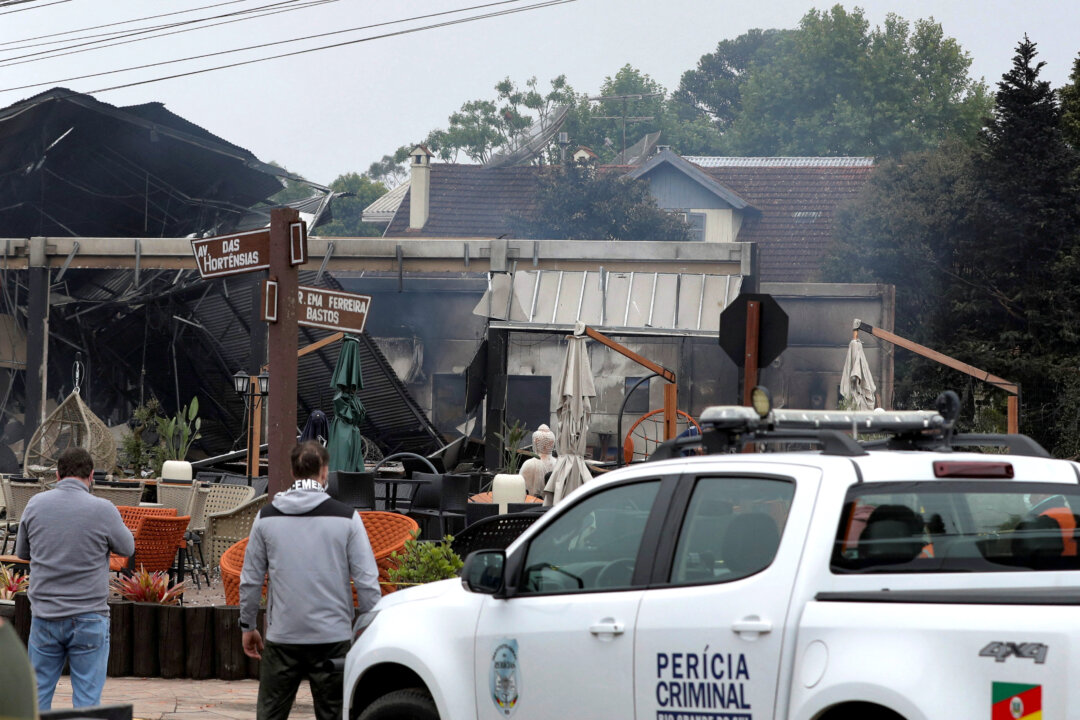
(731,529)
(592,546)
(961,526)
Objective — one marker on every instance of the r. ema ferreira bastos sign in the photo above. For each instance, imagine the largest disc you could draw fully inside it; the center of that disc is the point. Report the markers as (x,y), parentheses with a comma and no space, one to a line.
(321,308)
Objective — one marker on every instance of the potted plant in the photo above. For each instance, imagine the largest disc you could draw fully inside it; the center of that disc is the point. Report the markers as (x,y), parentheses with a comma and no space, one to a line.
(424,562)
(509,484)
(149,592)
(11,582)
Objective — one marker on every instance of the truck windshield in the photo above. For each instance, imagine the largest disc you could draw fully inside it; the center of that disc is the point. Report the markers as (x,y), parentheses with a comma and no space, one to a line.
(958,526)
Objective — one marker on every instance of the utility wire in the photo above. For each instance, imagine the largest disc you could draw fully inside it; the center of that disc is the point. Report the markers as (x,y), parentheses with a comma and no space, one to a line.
(113,34)
(272,9)
(120,22)
(35,7)
(545,3)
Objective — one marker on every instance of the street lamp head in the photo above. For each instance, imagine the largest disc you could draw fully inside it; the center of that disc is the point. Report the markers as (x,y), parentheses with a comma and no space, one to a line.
(241,382)
(264,383)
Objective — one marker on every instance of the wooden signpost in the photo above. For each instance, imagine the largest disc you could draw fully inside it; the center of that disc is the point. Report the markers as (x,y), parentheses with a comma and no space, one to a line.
(285,306)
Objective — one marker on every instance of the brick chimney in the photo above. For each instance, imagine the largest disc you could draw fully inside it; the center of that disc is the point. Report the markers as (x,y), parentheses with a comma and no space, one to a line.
(419,187)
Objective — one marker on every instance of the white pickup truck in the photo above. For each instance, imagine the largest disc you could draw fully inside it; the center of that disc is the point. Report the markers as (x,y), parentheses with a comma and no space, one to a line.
(891,578)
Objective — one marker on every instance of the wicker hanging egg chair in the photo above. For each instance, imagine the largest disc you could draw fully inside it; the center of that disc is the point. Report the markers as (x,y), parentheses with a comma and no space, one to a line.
(71,424)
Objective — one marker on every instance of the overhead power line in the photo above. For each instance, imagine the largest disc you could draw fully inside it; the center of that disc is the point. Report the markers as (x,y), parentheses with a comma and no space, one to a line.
(34,7)
(249,14)
(120,22)
(509,11)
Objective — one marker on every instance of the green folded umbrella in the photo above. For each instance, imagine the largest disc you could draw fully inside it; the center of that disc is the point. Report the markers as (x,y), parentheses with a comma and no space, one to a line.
(345,444)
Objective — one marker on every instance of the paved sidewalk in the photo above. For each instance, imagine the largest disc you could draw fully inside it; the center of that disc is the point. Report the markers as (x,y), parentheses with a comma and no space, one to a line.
(185,699)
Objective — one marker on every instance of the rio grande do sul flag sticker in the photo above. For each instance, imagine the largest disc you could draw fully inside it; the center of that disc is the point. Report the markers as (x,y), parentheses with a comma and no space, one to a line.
(1015,701)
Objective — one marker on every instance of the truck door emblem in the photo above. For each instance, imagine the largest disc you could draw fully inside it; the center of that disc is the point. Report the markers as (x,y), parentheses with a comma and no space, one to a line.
(1002,650)
(504,682)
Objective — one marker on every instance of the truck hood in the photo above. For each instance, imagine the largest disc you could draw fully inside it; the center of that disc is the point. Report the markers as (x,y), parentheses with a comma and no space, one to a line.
(427,591)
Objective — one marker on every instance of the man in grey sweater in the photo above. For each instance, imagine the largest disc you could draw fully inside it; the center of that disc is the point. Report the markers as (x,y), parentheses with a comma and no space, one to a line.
(310,545)
(67,534)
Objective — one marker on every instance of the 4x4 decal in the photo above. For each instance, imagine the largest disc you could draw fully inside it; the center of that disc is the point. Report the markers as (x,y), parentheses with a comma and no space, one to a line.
(1001,650)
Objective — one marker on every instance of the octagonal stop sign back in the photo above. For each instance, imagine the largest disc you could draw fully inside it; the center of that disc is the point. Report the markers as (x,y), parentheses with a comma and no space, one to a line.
(772,333)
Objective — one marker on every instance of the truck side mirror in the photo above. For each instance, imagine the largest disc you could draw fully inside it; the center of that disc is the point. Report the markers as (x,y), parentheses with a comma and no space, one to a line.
(483,571)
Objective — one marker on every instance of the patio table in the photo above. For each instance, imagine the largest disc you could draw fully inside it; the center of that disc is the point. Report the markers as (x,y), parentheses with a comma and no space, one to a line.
(392,482)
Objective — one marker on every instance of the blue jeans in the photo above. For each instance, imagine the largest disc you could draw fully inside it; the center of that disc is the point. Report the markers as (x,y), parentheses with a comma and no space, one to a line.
(82,640)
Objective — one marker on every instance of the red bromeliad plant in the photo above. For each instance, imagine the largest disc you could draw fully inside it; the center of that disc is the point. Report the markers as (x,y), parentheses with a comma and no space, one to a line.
(11,582)
(148,587)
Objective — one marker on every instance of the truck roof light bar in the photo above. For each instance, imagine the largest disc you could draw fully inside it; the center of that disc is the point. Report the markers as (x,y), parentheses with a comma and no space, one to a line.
(729,417)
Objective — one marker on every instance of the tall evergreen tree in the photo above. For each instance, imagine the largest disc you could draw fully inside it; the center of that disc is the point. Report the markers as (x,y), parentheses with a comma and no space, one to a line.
(1070,107)
(1018,271)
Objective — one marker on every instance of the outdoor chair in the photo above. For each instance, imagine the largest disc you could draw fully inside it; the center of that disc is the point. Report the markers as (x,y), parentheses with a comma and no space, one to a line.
(451,504)
(477,511)
(233,479)
(16,495)
(119,494)
(524,507)
(176,495)
(260,485)
(227,528)
(205,476)
(355,489)
(223,498)
(387,532)
(493,533)
(158,539)
(196,529)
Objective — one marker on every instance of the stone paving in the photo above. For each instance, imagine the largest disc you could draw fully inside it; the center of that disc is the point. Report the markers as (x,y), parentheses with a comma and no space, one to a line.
(185,699)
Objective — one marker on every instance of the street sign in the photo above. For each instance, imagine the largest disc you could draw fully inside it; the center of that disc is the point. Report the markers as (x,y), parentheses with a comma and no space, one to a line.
(321,308)
(773,329)
(232,254)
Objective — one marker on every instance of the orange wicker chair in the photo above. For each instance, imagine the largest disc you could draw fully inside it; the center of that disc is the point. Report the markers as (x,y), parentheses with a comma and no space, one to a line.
(387,533)
(157,540)
(131,515)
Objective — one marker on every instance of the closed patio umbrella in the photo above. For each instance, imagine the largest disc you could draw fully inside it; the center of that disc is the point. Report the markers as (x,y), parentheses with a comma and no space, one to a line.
(344,443)
(856,384)
(573,413)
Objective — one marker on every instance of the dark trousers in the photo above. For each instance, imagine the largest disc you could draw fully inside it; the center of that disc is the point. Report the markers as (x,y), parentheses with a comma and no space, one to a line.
(282,668)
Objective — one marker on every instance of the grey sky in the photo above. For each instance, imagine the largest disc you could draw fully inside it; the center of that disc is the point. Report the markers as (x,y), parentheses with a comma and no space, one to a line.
(325,113)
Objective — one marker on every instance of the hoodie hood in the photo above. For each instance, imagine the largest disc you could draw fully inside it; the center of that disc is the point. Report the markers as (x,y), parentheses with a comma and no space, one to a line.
(302,497)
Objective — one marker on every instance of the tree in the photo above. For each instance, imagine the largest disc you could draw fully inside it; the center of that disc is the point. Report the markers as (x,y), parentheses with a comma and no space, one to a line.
(983,244)
(483,127)
(291,190)
(392,170)
(348,211)
(714,88)
(1070,107)
(576,202)
(833,86)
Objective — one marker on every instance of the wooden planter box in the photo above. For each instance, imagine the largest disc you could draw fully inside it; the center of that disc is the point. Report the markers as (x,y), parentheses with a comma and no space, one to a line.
(199,642)
(120,634)
(230,662)
(170,630)
(144,639)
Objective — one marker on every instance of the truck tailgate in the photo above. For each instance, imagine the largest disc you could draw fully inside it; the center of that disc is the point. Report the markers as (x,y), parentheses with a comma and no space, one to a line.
(940,654)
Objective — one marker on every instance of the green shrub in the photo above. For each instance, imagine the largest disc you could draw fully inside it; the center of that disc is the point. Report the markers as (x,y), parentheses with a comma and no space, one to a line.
(424,562)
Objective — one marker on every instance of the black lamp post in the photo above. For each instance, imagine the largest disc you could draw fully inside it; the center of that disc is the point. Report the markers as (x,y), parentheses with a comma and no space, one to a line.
(245,388)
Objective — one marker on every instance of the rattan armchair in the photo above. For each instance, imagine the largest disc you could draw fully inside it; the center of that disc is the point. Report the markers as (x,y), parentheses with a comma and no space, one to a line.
(157,541)
(119,495)
(223,498)
(227,528)
(177,496)
(16,495)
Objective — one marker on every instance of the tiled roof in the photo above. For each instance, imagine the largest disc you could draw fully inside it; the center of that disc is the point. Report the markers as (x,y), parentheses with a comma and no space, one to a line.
(797,207)
(708,161)
(796,200)
(471,200)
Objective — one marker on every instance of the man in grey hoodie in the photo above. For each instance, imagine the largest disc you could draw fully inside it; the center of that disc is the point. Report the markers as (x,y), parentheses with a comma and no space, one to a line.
(310,545)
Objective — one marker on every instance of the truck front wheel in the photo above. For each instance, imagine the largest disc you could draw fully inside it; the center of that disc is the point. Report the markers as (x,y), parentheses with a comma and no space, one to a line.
(408,704)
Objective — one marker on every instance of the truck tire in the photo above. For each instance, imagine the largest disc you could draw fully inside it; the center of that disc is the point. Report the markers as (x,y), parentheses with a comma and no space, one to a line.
(408,704)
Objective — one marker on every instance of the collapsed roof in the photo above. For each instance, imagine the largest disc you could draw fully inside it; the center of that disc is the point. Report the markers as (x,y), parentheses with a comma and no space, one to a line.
(71,165)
